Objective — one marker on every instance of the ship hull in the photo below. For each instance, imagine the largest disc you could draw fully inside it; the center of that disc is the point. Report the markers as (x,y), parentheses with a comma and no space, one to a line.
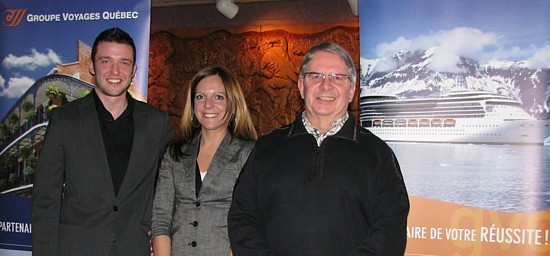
(471,131)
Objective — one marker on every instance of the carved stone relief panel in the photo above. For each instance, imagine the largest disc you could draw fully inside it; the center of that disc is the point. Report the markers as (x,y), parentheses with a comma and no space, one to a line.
(265,63)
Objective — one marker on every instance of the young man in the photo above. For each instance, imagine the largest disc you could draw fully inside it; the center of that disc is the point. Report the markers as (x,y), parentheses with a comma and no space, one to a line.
(94,181)
(322,185)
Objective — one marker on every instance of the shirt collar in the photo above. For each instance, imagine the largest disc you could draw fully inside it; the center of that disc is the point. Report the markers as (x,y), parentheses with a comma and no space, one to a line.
(336,126)
(100,108)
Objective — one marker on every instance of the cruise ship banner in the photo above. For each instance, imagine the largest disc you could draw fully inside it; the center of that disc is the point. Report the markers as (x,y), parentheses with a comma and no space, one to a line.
(40,39)
(460,90)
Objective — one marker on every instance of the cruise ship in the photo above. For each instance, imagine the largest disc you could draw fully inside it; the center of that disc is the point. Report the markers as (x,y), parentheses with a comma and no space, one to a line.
(456,117)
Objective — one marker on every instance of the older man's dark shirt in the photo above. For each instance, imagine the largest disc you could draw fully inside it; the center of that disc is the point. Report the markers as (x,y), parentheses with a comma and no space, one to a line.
(118,137)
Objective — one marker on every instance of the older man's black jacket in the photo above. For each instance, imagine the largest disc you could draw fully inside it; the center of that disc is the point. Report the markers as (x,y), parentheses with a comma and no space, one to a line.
(346,197)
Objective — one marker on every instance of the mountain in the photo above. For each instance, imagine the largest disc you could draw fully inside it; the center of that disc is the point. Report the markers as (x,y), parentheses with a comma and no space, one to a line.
(419,73)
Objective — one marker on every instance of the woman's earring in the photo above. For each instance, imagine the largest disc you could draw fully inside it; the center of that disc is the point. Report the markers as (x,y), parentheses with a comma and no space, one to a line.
(197,124)
(232,123)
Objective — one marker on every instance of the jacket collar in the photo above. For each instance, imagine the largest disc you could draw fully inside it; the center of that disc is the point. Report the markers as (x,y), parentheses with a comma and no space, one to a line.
(349,131)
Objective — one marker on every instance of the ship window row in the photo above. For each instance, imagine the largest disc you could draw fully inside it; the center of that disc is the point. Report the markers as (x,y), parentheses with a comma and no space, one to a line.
(499,100)
(413,123)
(406,105)
(415,110)
(504,103)
(421,115)
(424,102)
(420,109)
(420,112)
(437,133)
(410,114)
(422,106)
(482,125)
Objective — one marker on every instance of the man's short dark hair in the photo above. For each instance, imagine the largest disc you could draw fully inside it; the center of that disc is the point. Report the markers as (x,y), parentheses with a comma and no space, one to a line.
(115,35)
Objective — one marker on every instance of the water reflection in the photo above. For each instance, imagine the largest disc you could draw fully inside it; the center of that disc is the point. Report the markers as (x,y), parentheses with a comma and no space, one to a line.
(507,178)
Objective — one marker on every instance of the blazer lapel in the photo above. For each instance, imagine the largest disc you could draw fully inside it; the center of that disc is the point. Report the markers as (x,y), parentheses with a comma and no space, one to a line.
(91,129)
(189,161)
(139,144)
(225,152)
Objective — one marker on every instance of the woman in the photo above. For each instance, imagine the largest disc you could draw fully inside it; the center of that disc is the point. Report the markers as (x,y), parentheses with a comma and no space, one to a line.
(199,170)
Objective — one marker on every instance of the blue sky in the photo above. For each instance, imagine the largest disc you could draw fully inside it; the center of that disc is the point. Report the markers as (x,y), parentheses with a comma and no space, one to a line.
(31,49)
(497,30)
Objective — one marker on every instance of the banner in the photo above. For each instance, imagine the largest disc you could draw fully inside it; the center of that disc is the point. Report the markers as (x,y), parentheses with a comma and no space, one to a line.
(460,90)
(15,223)
(45,46)
(37,35)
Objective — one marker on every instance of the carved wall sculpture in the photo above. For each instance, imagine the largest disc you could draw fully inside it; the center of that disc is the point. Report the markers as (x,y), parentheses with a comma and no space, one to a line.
(265,63)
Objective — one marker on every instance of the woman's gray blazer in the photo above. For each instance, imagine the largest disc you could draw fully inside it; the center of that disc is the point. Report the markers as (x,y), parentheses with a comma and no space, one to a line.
(198,225)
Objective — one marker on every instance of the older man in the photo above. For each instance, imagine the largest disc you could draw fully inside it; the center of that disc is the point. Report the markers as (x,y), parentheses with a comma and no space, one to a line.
(321,185)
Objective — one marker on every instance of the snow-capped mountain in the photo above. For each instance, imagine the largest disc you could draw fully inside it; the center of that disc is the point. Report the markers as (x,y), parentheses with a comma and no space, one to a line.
(419,74)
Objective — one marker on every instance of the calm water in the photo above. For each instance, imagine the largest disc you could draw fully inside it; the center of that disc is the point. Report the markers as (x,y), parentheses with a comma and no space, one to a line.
(506,178)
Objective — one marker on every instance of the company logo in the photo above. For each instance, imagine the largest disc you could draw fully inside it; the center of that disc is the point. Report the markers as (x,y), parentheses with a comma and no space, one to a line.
(12,18)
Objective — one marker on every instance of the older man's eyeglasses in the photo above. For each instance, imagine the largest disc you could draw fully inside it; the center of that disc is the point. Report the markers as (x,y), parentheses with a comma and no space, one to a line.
(317,78)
